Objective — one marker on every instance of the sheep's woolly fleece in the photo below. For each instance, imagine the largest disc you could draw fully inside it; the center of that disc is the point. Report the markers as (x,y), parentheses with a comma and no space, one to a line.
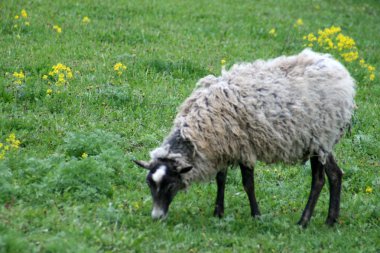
(284,109)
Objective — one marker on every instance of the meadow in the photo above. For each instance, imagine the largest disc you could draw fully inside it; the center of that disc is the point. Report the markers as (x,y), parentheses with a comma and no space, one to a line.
(87,86)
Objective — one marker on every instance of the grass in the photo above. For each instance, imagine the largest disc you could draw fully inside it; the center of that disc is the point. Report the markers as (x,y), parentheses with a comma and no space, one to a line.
(53,198)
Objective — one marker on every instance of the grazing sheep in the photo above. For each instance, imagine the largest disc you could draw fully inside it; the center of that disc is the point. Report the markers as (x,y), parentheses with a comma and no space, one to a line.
(288,109)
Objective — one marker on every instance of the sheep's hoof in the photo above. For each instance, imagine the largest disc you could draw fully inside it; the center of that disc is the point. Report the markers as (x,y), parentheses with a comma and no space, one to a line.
(218,212)
(303,223)
(330,221)
(256,215)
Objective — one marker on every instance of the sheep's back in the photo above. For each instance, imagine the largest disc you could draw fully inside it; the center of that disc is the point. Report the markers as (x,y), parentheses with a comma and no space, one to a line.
(284,109)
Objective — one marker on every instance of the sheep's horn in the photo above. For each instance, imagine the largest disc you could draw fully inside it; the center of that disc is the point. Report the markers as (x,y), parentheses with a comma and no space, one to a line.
(142,164)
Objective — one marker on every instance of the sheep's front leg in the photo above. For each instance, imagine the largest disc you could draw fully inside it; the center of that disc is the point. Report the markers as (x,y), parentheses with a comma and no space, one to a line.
(317,182)
(249,187)
(334,175)
(219,203)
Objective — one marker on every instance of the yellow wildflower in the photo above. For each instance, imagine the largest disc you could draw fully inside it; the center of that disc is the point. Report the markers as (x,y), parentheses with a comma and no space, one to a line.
(11,137)
(49,92)
(362,62)
(329,43)
(372,77)
(69,73)
(371,68)
(61,79)
(368,189)
(23,13)
(86,20)
(84,155)
(273,32)
(350,56)
(17,17)
(310,37)
(324,36)
(136,205)
(60,72)
(19,77)
(57,28)
(14,143)
(345,42)
(119,67)
(298,23)
(333,29)
(223,62)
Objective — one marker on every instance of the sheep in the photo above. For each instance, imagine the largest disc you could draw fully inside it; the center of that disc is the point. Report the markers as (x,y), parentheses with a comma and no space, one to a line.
(288,109)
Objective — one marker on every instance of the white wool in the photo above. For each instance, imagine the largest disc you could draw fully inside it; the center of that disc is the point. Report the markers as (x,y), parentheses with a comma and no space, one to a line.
(281,110)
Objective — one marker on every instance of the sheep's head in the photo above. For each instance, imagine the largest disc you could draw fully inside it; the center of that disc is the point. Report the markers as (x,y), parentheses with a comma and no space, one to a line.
(164,180)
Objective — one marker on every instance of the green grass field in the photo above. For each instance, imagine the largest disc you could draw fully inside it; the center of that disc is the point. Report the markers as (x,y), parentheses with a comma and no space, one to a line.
(67,135)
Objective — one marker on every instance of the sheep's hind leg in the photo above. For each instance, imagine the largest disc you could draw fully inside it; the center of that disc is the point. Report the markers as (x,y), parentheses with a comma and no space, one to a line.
(334,175)
(219,203)
(317,182)
(249,187)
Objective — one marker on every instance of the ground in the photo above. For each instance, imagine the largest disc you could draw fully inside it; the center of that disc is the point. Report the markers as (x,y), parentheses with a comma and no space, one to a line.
(85,87)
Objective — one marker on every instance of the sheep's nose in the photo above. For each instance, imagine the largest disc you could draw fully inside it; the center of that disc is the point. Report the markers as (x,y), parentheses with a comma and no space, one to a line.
(158,213)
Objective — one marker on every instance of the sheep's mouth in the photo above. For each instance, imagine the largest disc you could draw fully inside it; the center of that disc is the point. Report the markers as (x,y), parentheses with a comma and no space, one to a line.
(159,212)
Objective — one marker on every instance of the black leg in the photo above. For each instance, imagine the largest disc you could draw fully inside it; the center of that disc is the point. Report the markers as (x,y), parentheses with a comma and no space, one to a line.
(334,175)
(219,203)
(317,182)
(249,187)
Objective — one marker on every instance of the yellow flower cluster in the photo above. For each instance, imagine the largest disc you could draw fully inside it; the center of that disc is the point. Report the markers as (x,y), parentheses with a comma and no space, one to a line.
(326,36)
(11,144)
(350,56)
(333,40)
(57,28)
(22,18)
(223,62)
(60,75)
(273,32)
(310,38)
(368,189)
(344,42)
(19,77)
(298,23)
(119,68)
(369,68)
(86,20)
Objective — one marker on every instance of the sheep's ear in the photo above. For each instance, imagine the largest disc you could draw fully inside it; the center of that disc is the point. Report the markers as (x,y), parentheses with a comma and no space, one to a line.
(142,164)
(186,169)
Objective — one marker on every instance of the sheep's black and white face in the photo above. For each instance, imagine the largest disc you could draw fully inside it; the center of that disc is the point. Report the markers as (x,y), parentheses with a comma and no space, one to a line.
(164,181)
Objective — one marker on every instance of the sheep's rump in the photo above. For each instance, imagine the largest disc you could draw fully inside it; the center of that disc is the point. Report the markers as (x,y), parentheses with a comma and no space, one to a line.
(284,109)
